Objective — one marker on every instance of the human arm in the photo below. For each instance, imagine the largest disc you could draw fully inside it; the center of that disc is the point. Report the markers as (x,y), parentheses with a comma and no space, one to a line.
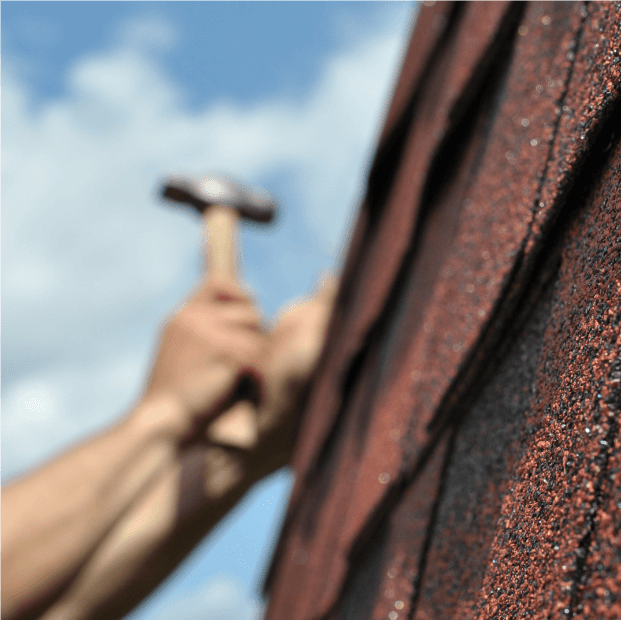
(152,538)
(126,568)
(54,519)
(192,484)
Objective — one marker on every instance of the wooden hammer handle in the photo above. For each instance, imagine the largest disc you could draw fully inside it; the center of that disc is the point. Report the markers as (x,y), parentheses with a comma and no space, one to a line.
(237,426)
(221,230)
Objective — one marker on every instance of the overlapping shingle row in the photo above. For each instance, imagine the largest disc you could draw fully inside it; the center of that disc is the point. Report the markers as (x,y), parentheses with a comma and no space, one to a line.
(459,453)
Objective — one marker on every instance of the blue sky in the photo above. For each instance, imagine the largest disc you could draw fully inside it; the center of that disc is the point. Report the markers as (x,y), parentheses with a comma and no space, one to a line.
(99,100)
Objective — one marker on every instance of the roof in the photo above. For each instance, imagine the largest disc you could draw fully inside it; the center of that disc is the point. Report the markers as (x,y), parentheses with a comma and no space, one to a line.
(459,451)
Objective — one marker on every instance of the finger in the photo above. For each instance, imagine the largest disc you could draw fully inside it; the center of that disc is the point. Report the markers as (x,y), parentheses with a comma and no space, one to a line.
(222,288)
(327,287)
(207,392)
(206,320)
(247,350)
(242,317)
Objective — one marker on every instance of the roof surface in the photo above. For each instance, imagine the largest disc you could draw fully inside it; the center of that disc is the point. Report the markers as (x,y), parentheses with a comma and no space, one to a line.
(459,454)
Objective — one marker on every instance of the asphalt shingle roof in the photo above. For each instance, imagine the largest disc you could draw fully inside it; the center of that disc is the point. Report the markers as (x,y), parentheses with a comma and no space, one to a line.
(459,453)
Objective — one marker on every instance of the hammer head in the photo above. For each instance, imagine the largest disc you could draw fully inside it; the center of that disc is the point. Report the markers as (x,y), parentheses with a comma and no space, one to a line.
(202,191)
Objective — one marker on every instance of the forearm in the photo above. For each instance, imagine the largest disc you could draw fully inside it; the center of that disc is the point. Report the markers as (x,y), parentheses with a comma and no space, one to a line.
(156,534)
(53,519)
(95,531)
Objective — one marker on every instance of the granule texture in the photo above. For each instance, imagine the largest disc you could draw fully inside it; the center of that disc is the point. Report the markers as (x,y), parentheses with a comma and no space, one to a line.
(459,450)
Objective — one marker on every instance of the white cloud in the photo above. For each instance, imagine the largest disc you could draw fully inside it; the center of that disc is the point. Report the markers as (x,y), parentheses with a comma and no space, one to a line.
(91,263)
(44,412)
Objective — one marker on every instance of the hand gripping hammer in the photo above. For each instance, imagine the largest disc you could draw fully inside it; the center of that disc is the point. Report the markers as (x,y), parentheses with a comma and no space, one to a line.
(222,201)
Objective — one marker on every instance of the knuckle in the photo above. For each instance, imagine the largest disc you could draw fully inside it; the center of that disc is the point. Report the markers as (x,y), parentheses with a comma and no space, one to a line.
(230,291)
(224,288)
(246,350)
(241,317)
(251,318)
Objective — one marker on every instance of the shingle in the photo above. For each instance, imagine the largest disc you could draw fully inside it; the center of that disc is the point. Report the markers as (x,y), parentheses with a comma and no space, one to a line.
(444,469)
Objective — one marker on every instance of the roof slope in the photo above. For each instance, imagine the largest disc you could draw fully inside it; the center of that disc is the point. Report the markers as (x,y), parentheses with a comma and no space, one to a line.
(459,452)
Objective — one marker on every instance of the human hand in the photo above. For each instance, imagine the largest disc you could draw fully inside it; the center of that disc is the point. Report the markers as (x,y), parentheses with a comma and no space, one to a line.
(294,347)
(210,343)
(298,336)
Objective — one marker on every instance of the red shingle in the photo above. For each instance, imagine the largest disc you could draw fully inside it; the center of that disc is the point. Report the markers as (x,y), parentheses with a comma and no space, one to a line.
(444,469)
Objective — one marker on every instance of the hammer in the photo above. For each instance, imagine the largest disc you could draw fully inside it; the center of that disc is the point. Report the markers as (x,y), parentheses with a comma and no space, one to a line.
(222,201)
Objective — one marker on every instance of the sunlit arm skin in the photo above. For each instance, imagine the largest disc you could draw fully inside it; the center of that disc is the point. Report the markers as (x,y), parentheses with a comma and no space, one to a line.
(55,518)
(94,532)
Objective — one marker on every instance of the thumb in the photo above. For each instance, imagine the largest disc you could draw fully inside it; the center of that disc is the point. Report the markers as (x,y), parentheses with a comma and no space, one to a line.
(327,288)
